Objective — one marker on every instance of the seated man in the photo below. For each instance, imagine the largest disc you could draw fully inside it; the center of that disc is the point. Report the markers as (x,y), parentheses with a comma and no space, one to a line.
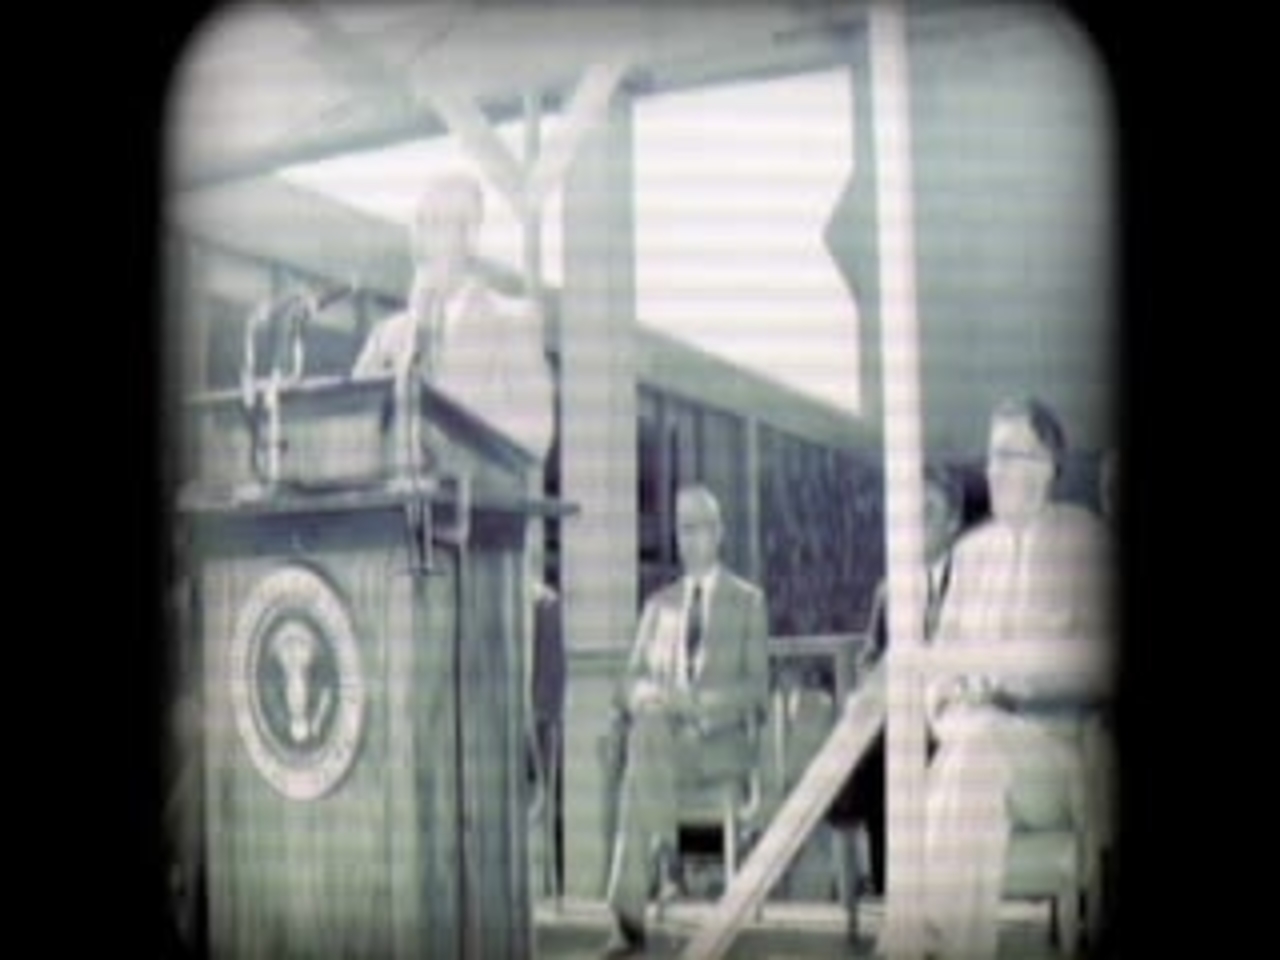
(1030,584)
(698,673)
(862,799)
(481,349)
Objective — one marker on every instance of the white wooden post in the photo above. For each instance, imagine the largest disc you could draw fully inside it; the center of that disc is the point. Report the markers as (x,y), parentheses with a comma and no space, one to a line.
(899,345)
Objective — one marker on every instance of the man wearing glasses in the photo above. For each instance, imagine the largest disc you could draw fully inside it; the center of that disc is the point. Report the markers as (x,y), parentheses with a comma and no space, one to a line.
(1032,578)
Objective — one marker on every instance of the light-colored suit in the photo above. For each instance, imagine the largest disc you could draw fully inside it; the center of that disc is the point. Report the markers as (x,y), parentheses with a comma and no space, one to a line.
(665,750)
(491,361)
(1017,765)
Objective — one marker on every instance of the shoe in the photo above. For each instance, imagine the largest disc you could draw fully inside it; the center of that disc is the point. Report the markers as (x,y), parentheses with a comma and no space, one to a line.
(628,940)
(670,876)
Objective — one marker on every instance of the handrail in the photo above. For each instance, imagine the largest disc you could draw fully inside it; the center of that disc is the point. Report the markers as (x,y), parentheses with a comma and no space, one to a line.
(814,643)
(1086,661)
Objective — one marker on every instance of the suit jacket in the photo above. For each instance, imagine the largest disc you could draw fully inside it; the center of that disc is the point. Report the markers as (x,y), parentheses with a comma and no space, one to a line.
(1047,582)
(939,579)
(733,683)
(492,362)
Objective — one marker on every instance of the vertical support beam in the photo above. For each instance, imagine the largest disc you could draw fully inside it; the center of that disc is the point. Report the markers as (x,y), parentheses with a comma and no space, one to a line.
(180,377)
(531,219)
(535,535)
(194,324)
(903,461)
(861,230)
(598,465)
(189,333)
(665,473)
(751,479)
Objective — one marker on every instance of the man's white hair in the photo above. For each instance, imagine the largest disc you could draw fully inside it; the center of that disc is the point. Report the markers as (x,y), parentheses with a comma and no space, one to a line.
(697,493)
(455,194)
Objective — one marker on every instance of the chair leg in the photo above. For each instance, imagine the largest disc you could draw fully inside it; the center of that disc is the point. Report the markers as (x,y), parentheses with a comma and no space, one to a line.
(1095,895)
(730,848)
(551,808)
(1066,925)
(848,878)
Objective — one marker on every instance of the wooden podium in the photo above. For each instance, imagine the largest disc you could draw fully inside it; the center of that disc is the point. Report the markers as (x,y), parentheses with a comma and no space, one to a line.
(363,672)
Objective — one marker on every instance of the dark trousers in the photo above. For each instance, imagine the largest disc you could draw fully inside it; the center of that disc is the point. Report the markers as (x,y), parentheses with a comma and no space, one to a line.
(861,800)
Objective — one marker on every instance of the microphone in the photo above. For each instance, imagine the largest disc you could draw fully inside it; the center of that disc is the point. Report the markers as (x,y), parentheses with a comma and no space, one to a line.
(322,301)
(284,320)
(311,302)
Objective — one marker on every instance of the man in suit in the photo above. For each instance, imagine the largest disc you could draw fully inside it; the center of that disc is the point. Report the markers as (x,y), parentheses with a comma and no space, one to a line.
(862,799)
(697,679)
(1027,586)
(477,347)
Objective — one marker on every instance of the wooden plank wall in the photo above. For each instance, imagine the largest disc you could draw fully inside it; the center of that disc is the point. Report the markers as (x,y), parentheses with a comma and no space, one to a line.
(288,878)
(412,840)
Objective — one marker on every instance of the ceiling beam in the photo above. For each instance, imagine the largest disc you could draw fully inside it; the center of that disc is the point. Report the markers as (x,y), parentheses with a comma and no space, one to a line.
(347,58)
(585,111)
(783,55)
(479,139)
(819,40)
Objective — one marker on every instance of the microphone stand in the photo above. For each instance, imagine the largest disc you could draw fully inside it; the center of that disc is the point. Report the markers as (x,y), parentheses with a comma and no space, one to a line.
(286,319)
(415,462)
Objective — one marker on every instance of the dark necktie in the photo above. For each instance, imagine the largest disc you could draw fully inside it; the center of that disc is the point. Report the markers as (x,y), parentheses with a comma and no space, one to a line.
(937,580)
(693,631)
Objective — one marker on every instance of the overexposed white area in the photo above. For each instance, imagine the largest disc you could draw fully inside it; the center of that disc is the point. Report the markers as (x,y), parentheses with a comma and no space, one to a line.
(734,186)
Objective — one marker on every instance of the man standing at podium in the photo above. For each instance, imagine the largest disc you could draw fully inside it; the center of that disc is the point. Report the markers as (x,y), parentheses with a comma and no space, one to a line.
(697,679)
(477,347)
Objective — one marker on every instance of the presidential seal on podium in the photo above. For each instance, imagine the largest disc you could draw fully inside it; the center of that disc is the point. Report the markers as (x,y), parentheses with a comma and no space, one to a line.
(296,688)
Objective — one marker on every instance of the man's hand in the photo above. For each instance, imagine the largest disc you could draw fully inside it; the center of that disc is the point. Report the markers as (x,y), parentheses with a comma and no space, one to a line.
(977,690)
(645,695)
(965,690)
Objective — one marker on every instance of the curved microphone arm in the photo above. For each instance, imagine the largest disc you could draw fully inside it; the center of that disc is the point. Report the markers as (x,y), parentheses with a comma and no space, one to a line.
(285,318)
